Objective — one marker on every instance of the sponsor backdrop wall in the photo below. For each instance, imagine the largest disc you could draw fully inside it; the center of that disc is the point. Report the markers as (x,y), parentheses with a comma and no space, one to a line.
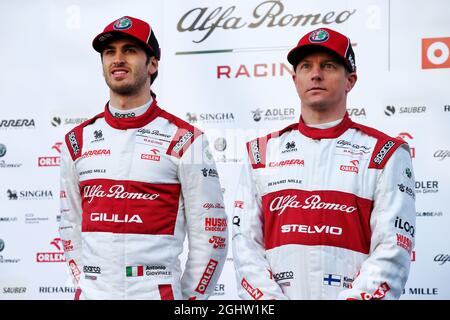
(223,69)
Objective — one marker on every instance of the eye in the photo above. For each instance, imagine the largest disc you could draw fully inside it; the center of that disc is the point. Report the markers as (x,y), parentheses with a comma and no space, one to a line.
(108,52)
(130,50)
(304,66)
(329,65)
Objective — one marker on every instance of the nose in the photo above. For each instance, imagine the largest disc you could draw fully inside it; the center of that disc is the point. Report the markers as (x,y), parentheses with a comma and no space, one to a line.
(316,72)
(118,58)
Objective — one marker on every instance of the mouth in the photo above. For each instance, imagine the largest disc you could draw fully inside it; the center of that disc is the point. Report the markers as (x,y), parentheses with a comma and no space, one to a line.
(119,73)
(316,89)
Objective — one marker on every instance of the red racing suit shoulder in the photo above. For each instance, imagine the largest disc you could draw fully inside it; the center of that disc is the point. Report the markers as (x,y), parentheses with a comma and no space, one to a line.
(184,136)
(74,138)
(384,147)
(257,147)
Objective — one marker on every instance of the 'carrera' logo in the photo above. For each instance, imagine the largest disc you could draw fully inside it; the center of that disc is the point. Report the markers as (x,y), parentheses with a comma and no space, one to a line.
(290,162)
(99,152)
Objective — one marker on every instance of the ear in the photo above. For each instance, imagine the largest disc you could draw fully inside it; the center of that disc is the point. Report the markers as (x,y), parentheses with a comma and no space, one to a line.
(153,66)
(351,80)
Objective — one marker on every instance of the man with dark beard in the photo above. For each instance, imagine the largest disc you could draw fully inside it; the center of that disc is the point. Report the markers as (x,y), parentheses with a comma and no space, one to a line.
(134,180)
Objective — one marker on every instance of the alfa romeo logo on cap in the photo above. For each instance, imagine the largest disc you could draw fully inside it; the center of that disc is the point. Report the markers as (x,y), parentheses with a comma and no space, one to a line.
(319,36)
(123,24)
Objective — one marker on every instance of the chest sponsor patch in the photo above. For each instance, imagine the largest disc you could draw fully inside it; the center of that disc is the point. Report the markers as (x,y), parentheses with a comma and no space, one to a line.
(353,149)
(321,217)
(121,206)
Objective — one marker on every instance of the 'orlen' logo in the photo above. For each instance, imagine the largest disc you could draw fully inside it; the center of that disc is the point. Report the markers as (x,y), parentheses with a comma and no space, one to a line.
(435,53)
(255,293)
(52,256)
(51,161)
(352,168)
(207,276)
(154,156)
(75,270)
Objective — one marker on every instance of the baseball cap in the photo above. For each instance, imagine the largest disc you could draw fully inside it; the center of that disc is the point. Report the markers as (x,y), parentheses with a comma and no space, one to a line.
(325,38)
(129,26)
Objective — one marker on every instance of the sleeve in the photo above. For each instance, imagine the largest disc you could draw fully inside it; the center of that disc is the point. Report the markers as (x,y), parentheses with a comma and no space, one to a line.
(253,274)
(206,220)
(385,271)
(70,223)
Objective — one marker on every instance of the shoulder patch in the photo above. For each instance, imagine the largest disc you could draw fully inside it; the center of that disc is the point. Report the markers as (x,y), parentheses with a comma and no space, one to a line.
(184,136)
(383,151)
(384,148)
(73,142)
(379,157)
(256,148)
(74,138)
(181,141)
(257,152)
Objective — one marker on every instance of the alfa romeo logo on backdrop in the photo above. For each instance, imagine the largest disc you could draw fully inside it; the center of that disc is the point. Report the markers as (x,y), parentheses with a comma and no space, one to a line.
(2,245)
(2,150)
(220,144)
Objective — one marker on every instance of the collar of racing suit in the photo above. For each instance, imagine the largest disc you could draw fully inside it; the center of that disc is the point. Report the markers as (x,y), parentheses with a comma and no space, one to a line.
(329,133)
(135,122)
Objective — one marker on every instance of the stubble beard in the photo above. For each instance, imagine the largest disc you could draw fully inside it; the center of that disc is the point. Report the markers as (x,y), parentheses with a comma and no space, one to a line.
(126,89)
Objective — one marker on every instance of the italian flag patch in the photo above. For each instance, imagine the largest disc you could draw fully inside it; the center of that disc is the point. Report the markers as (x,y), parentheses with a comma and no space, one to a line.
(137,271)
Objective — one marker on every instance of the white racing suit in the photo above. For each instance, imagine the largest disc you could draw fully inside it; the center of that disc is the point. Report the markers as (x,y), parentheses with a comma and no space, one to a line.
(130,190)
(324,214)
